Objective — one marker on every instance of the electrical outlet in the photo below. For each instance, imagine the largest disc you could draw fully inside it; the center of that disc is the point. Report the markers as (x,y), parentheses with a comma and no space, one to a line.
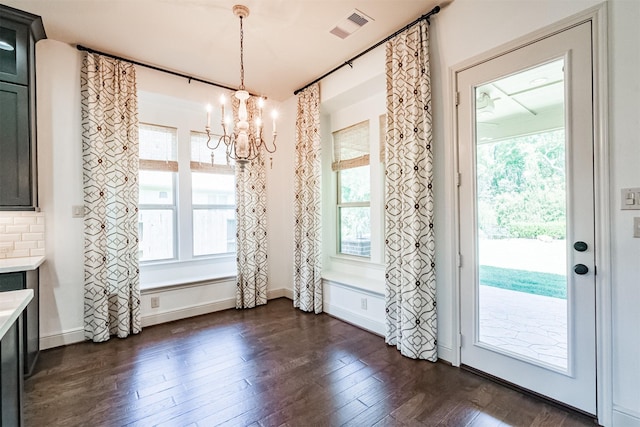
(363,303)
(155,302)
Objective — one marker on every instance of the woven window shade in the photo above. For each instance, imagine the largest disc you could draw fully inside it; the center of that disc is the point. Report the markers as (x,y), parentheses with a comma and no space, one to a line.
(201,155)
(351,147)
(158,147)
(383,136)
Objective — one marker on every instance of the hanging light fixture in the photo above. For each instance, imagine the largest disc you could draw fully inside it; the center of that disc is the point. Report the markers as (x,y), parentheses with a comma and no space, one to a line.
(241,145)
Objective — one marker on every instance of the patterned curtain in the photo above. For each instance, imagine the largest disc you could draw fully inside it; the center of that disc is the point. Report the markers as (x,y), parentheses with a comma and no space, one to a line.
(110,175)
(307,284)
(409,235)
(251,223)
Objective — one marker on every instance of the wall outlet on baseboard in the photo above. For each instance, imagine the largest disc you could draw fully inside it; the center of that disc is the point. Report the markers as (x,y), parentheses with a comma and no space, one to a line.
(155,302)
(363,303)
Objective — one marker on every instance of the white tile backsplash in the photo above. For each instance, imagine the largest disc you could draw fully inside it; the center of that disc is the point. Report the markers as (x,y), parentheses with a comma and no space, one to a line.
(21,234)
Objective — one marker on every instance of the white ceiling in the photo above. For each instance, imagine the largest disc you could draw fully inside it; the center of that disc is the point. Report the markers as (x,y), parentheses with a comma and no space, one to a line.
(287,42)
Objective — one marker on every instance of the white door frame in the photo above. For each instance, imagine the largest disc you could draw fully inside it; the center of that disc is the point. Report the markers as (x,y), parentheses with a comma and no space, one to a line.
(598,17)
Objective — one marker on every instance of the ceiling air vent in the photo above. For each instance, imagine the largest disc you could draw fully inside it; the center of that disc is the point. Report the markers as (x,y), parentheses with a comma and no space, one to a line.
(349,25)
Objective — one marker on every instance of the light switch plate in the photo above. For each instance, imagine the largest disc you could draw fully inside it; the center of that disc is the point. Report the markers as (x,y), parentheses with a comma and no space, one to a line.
(77,211)
(636,227)
(630,198)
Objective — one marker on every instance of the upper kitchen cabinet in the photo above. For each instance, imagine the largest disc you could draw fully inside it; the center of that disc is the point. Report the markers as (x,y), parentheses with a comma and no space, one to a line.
(19,32)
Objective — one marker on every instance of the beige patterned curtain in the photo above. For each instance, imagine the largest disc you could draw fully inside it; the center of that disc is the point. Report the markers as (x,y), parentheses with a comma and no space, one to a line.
(251,221)
(307,284)
(409,235)
(110,174)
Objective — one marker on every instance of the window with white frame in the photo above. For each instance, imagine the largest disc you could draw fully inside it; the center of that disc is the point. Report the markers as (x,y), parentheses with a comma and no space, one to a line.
(212,197)
(351,164)
(157,212)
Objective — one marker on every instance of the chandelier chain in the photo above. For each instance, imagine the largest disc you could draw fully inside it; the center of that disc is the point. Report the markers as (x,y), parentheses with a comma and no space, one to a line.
(241,55)
(243,143)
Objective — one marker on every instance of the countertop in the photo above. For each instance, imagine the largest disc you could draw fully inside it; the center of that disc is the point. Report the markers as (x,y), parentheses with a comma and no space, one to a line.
(11,265)
(12,303)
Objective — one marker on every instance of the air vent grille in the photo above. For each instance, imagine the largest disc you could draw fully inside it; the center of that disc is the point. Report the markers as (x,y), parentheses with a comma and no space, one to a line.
(357,19)
(337,31)
(349,25)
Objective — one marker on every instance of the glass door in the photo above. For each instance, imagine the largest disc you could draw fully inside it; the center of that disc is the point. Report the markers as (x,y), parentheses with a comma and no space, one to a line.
(526,212)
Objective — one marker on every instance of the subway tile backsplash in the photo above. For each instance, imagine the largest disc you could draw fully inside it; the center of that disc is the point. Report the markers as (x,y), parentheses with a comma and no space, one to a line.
(21,234)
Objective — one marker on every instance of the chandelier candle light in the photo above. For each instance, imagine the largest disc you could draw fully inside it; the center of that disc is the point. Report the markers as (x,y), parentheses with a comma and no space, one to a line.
(241,145)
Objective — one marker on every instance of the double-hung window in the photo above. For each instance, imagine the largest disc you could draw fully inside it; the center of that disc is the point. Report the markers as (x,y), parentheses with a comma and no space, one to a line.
(157,211)
(212,197)
(351,164)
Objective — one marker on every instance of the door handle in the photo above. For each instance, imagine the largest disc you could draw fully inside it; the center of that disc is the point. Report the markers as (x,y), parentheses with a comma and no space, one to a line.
(580,246)
(580,269)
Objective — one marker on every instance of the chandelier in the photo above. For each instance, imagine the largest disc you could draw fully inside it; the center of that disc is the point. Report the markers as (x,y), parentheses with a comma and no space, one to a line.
(241,144)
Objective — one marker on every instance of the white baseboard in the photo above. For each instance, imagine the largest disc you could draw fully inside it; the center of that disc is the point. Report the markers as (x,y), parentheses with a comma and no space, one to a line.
(197,310)
(355,319)
(374,326)
(67,337)
(624,417)
(184,313)
(76,335)
(280,293)
(445,353)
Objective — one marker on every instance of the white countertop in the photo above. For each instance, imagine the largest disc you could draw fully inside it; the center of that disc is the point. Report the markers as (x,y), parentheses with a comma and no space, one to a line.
(11,265)
(12,303)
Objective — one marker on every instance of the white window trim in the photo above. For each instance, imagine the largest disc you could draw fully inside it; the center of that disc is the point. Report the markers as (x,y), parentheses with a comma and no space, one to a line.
(185,269)
(359,272)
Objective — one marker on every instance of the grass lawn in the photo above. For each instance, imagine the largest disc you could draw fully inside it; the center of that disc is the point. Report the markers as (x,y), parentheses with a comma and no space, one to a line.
(531,282)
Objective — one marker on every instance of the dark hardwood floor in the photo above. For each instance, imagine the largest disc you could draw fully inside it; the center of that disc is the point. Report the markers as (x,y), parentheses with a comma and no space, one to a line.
(268,366)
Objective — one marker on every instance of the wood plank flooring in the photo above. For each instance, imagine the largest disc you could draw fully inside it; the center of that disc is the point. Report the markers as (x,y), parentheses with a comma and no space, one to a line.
(268,366)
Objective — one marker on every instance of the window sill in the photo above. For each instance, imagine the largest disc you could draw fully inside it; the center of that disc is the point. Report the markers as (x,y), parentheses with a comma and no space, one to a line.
(184,283)
(194,272)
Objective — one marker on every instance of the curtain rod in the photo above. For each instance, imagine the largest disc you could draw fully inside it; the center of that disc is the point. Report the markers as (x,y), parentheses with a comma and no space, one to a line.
(154,67)
(386,39)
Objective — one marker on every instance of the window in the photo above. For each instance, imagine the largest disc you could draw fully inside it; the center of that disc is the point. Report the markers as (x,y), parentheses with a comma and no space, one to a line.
(213,198)
(157,181)
(351,164)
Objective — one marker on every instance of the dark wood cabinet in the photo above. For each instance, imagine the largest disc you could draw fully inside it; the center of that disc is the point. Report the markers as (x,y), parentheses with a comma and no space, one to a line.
(19,32)
(15,152)
(11,376)
(31,315)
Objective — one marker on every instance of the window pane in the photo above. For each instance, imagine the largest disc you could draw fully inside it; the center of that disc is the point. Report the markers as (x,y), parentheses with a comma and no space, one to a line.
(213,189)
(214,231)
(354,185)
(201,153)
(158,142)
(156,234)
(156,187)
(351,142)
(355,231)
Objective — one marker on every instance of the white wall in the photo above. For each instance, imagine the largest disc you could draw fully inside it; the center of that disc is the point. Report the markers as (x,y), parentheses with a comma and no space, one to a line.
(60,187)
(468,28)
(280,197)
(462,30)
(624,125)
(164,100)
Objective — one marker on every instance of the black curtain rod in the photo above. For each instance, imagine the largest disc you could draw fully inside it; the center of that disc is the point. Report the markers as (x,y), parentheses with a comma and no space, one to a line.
(350,61)
(153,67)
